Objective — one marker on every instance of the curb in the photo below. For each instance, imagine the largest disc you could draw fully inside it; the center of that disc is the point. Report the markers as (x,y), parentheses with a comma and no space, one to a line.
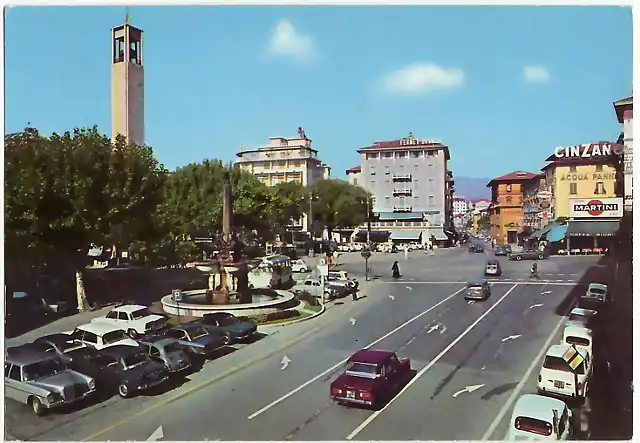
(285,323)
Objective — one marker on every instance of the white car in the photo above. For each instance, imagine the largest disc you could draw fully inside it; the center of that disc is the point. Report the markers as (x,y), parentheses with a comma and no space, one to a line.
(299,265)
(313,287)
(581,317)
(135,319)
(580,337)
(101,335)
(536,417)
(597,292)
(342,278)
(557,377)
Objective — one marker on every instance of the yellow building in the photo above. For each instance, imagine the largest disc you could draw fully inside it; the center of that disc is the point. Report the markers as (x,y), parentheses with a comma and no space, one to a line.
(590,173)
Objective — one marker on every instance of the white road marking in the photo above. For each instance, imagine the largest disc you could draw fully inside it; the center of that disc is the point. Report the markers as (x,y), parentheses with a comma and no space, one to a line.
(560,275)
(511,337)
(494,282)
(435,360)
(156,435)
(433,328)
(391,297)
(341,362)
(545,292)
(525,377)
(468,389)
(285,362)
(352,321)
(537,305)
(410,288)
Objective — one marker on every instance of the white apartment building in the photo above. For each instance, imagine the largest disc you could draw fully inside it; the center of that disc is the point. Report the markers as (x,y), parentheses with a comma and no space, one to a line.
(624,112)
(285,160)
(353,176)
(460,206)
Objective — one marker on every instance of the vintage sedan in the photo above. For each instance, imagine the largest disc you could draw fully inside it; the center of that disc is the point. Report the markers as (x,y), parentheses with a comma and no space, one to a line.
(236,328)
(196,339)
(538,417)
(586,318)
(475,247)
(42,380)
(371,377)
(101,336)
(528,254)
(492,267)
(477,290)
(121,368)
(168,352)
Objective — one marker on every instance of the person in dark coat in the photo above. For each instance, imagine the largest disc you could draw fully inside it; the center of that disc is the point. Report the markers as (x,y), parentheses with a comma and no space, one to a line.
(395,270)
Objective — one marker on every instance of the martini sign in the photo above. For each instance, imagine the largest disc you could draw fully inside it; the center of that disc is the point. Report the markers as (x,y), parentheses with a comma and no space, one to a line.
(595,208)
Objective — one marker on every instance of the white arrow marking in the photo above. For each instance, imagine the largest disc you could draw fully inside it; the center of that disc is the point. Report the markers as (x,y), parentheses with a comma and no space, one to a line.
(444,328)
(157,434)
(545,292)
(352,321)
(285,362)
(537,305)
(470,302)
(410,288)
(511,337)
(391,297)
(467,389)
(433,328)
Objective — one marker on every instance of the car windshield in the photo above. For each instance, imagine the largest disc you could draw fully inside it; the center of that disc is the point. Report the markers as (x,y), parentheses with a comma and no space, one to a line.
(44,368)
(172,347)
(533,425)
(135,360)
(367,369)
(114,336)
(198,332)
(558,364)
(598,291)
(140,313)
(226,320)
(477,287)
(578,341)
(579,318)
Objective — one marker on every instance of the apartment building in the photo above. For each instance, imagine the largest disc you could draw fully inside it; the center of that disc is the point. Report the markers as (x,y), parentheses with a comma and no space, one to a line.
(624,113)
(353,176)
(285,160)
(411,186)
(535,203)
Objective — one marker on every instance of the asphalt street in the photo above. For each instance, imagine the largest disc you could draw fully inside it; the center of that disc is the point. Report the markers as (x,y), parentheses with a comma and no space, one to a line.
(251,395)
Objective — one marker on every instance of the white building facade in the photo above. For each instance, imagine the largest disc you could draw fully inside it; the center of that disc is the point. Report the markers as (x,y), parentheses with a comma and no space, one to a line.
(624,112)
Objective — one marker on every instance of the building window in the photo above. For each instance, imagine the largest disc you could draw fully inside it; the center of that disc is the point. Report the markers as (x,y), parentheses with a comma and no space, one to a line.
(509,187)
(573,188)
(372,155)
(431,153)
(600,188)
(401,154)
(388,154)
(387,181)
(598,168)
(267,165)
(373,170)
(355,181)
(387,198)
(373,182)
(387,171)
(431,201)
(573,168)
(415,154)
(509,199)
(416,167)
(373,200)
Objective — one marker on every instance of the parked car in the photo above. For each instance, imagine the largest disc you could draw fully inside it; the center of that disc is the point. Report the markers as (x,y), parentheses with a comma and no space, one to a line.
(313,287)
(371,377)
(493,268)
(475,247)
(500,250)
(300,265)
(580,337)
(135,319)
(53,344)
(587,318)
(529,254)
(342,276)
(237,328)
(101,335)
(597,292)
(538,417)
(43,381)
(166,351)
(196,339)
(120,368)
(477,290)
(557,378)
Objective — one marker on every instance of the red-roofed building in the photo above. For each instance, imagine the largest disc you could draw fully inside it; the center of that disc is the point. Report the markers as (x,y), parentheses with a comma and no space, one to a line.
(507,205)
(353,175)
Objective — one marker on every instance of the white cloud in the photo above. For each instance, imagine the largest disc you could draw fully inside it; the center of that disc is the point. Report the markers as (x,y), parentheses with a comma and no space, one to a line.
(535,74)
(288,41)
(421,78)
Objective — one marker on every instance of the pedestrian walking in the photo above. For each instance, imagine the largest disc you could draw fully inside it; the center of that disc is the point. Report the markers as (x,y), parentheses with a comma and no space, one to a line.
(395,270)
(431,249)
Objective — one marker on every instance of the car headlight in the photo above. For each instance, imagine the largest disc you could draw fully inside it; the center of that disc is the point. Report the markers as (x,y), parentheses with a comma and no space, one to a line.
(53,397)
(92,383)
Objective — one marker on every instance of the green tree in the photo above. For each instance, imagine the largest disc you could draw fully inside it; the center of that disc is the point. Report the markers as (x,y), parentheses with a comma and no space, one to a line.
(65,193)
(289,202)
(338,204)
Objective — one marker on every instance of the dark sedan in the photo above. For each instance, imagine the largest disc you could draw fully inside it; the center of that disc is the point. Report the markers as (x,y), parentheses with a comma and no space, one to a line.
(167,351)
(126,369)
(530,254)
(237,328)
(474,247)
(58,344)
(196,339)
(500,250)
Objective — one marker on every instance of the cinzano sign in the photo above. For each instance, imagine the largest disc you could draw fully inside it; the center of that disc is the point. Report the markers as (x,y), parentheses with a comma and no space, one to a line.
(595,207)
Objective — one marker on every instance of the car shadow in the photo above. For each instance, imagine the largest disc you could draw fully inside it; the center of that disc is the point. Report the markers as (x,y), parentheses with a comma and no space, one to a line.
(595,273)
(254,338)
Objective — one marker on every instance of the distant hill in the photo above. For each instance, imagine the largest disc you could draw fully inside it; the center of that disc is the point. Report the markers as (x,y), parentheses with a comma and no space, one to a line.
(471,187)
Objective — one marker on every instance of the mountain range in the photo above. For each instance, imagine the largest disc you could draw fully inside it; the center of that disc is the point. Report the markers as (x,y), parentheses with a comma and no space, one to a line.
(472,187)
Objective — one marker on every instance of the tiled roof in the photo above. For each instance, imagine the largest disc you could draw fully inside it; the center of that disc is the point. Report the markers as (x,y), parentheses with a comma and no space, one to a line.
(354,169)
(386,144)
(514,176)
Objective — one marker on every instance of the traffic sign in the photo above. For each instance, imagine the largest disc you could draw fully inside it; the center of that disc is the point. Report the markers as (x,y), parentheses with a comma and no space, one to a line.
(366,255)
(176,295)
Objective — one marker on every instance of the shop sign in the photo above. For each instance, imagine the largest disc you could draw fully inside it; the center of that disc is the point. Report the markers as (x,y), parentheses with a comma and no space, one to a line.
(416,141)
(589,150)
(595,208)
(544,195)
(596,176)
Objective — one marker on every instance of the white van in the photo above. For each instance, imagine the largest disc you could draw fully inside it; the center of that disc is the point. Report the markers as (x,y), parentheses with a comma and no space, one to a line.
(272,272)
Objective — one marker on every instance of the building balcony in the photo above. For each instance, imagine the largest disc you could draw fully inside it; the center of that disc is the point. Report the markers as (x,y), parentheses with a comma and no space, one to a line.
(402,192)
(402,209)
(402,178)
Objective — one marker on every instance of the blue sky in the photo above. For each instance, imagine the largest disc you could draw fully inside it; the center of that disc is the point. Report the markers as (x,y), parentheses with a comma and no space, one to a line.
(502,86)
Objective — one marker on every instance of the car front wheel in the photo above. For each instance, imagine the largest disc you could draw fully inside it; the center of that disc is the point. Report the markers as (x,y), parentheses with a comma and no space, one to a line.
(123,390)
(133,333)
(518,257)
(37,406)
(540,257)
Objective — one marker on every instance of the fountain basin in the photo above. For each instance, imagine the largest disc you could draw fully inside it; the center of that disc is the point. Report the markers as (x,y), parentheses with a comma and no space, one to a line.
(264,304)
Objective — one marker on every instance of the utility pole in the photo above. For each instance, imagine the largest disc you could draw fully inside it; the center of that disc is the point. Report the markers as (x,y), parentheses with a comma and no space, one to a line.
(310,221)
(368,222)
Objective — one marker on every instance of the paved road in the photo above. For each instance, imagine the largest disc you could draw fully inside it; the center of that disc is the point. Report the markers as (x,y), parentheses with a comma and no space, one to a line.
(247,396)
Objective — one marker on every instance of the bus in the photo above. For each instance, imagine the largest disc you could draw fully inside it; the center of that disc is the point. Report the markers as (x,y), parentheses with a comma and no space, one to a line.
(273,271)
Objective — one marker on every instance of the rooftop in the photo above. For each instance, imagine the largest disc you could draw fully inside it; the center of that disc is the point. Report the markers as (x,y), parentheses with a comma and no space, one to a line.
(354,170)
(371,356)
(129,308)
(514,176)
(98,328)
(623,106)
(408,143)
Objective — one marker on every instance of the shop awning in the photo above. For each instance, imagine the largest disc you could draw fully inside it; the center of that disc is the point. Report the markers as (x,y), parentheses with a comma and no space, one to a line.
(438,233)
(373,233)
(598,228)
(397,234)
(386,216)
(557,233)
